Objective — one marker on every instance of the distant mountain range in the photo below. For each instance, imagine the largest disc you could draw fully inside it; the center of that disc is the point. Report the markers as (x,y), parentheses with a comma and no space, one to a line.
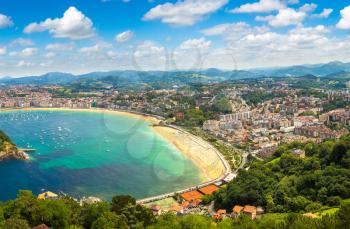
(334,69)
(301,70)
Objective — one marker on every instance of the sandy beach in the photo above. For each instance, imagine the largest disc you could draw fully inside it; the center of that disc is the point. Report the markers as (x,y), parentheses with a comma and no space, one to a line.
(202,154)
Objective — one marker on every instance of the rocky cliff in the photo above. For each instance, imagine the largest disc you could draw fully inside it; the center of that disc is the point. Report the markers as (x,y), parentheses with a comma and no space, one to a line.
(8,149)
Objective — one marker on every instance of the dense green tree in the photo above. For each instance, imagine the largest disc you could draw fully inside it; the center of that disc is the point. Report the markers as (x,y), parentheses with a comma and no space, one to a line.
(120,202)
(91,212)
(194,117)
(15,223)
(75,210)
(26,207)
(195,221)
(109,220)
(54,213)
(286,183)
(2,218)
(166,221)
(343,216)
(222,105)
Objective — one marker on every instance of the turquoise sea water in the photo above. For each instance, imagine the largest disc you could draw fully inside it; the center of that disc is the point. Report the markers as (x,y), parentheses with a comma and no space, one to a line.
(91,154)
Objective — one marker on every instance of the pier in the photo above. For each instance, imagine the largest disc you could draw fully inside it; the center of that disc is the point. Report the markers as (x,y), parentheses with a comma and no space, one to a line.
(27,150)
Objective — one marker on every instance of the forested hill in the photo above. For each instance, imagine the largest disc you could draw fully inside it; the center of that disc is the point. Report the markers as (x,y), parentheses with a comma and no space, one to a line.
(7,148)
(287,183)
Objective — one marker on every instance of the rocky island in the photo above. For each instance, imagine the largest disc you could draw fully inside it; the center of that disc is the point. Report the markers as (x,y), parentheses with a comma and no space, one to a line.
(8,149)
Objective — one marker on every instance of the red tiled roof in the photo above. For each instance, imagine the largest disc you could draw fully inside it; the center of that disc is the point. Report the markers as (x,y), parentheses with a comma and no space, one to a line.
(209,189)
(176,208)
(185,204)
(192,195)
(249,209)
(221,211)
(237,209)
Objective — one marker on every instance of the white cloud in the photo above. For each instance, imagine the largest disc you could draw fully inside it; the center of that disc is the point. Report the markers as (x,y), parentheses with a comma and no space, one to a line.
(74,25)
(324,14)
(263,6)
(22,42)
(90,49)
(112,54)
(23,63)
(5,21)
(184,13)
(50,55)
(3,51)
(148,48)
(285,17)
(308,7)
(28,52)
(46,63)
(261,47)
(344,22)
(233,30)
(124,36)
(60,47)
(216,30)
(147,55)
(198,44)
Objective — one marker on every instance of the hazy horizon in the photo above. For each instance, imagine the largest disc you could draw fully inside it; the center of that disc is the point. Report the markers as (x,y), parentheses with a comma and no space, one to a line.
(246,69)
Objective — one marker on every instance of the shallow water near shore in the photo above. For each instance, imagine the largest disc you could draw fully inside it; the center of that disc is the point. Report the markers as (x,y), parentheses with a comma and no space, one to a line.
(91,154)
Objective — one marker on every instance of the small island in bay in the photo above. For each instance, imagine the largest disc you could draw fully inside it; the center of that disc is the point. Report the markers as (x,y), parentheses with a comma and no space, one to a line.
(8,149)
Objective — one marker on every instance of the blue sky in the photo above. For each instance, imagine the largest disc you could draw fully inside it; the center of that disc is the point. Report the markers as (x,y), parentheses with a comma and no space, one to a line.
(79,36)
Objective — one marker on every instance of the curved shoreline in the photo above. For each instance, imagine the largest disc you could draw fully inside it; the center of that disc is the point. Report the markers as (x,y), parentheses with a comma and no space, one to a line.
(205,157)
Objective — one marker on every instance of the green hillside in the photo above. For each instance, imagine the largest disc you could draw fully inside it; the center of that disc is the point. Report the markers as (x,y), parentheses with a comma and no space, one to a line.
(287,183)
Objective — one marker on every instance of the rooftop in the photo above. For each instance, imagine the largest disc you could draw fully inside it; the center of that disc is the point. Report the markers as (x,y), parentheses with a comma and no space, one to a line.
(209,189)
(192,195)
(249,209)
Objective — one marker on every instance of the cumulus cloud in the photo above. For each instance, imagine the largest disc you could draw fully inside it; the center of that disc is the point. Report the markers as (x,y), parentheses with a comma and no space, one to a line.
(95,48)
(216,30)
(5,21)
(90,49)
(344,22)
(50,55)
(199,44)
(324,14)
(60,47)
(112,54)
(238,29)
(73,25)
(124,36)
(28,52)
(308,7)
(23,63)
(3,51)
(263,6)
(184,13)
(285,17)
(148,48)
(252,46)
(22,42)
